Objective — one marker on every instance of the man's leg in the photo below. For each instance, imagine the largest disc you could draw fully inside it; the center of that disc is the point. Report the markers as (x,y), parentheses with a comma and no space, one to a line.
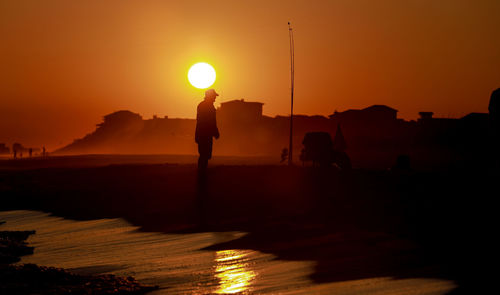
(204,148)
(201,186)
(202,162)
(209,148)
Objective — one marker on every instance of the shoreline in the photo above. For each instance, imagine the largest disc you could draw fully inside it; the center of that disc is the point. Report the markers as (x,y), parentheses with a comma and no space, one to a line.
(33,279)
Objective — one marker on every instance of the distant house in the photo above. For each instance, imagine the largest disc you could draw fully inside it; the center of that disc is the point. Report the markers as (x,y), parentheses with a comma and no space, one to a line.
(435,127)
(120,117)
(376,125)
(425,116)
(380,112)
(466,131)
(374,114)
(476,118)
(240,111)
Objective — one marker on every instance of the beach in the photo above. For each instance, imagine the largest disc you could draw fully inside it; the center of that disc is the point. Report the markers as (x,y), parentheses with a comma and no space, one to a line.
(255,229)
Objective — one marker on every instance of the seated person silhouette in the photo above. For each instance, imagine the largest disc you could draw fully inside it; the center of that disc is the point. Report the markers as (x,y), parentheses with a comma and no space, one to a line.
(206,128)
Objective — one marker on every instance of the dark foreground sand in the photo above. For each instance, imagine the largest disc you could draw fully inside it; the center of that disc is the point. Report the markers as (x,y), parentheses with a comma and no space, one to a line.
(358,225)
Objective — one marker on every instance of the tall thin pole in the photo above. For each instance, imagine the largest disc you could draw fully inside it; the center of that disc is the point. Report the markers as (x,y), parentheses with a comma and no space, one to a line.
(292,77)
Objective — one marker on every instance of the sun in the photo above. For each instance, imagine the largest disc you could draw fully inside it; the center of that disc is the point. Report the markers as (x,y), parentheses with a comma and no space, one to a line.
(201,75)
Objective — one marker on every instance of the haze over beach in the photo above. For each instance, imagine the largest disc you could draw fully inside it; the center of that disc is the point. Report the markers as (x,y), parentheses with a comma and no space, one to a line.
(67,64)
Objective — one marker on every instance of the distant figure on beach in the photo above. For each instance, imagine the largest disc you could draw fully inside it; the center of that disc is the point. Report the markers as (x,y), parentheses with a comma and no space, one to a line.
(206,128)
(43,151)
(284,155)
(15,153)
(30,151)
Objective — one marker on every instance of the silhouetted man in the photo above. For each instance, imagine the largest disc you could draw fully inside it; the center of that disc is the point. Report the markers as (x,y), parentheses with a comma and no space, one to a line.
(206,128)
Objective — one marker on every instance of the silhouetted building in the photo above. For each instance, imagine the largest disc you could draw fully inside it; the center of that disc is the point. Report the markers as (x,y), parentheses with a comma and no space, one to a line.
(372,127)
(428,118)
(240,111)
(434,131)
(379,114)
(476,118)
(373,135)
(425,116)
(127,132)
(120,118)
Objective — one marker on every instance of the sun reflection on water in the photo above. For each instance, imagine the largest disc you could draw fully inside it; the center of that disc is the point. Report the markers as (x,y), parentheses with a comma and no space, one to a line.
(233,271)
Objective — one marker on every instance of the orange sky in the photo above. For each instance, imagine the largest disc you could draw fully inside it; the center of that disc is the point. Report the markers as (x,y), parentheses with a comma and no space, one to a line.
(65,64)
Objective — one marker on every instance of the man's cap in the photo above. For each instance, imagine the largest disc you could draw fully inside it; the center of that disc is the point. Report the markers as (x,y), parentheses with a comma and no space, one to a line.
(211,92)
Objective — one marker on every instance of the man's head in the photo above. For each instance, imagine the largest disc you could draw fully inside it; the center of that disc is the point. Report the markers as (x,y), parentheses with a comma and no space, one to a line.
(210,95)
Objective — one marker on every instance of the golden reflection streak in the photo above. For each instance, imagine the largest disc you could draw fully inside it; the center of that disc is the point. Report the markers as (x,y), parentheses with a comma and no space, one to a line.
(233,271)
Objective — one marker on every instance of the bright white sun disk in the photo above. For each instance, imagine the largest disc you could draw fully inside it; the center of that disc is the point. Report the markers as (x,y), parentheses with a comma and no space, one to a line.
(201,75)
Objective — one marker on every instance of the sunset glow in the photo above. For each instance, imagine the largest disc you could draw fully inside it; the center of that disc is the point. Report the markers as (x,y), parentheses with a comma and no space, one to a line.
(439,56)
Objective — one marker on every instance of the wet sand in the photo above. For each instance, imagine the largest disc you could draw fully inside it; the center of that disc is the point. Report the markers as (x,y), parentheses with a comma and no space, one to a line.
(179,264)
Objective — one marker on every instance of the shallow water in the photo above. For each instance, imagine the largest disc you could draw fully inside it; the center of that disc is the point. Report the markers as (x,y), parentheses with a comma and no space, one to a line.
(177,263)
